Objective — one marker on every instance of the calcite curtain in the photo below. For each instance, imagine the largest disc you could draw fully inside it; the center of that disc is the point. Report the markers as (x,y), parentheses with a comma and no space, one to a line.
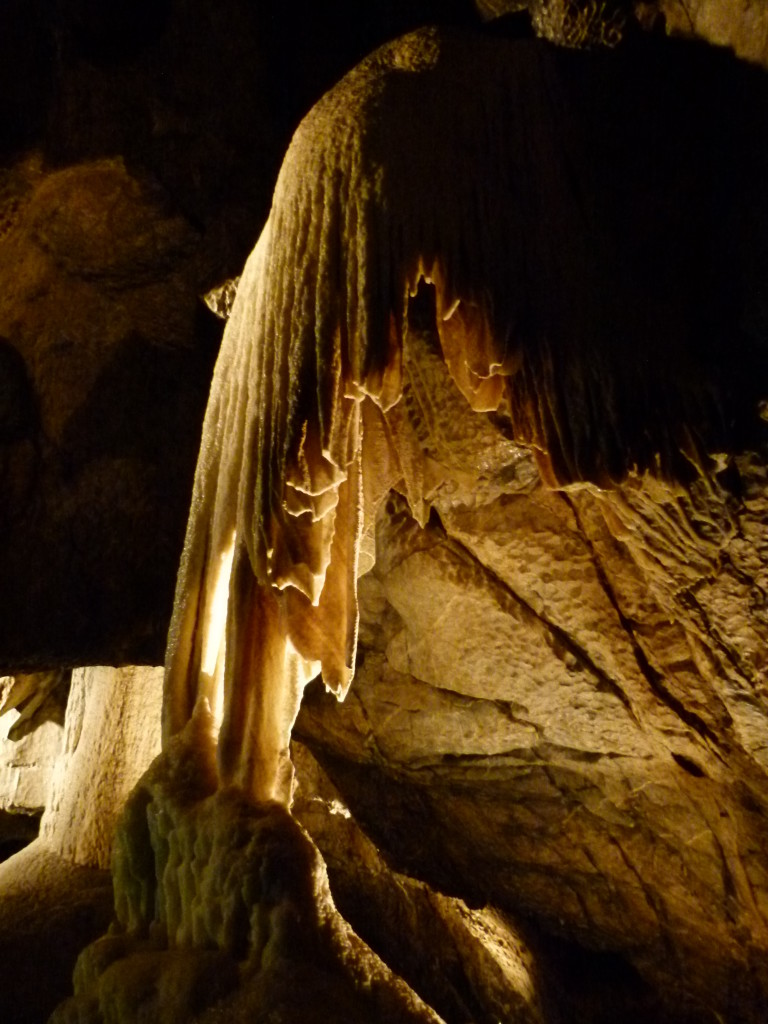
(521,181)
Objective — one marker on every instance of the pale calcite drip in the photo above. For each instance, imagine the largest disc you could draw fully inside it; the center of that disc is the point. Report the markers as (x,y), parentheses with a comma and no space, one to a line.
(295,452)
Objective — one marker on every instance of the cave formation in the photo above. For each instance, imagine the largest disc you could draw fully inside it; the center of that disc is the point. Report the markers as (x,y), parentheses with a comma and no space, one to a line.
(484,433)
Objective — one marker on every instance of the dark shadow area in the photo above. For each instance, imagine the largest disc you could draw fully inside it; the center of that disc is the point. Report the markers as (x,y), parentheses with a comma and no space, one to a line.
(585,986)
(17,831)
(49,911)
(623,265)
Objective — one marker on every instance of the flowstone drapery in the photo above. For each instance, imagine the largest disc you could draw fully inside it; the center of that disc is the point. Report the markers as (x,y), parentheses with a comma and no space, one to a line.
(451,159)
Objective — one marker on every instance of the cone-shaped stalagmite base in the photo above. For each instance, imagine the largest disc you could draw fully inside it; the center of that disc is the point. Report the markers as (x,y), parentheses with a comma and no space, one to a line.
(224,913)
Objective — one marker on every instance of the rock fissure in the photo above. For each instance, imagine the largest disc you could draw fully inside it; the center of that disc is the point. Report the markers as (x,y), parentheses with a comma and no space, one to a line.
(653,677)
(560,637)
(709,631)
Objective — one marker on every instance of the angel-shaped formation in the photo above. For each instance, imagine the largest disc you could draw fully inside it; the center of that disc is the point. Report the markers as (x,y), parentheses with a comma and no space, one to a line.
(522,183)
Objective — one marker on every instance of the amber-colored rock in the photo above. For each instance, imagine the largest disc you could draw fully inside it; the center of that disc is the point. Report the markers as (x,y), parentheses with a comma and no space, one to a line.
(57,892)
(50,909)
(469,963)
(741,26)
(560,711)
(224,913)
(30,743)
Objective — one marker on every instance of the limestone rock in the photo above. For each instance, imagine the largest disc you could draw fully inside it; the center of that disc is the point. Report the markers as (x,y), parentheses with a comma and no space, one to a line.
(50,909)
(57,892)
(104,368)
(305,427)
(557,733)
(32,715)
(36,698)
(560,711)
(469,963)
(138,154)
(220,299)
(26,770)
(741,26)
(224,913)
(111,734)
(559,708)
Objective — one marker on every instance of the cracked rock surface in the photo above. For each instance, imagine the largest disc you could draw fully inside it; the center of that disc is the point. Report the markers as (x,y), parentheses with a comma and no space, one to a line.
(560,711)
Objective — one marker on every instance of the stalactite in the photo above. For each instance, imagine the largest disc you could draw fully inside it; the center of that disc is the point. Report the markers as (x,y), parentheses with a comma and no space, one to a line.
(448,158)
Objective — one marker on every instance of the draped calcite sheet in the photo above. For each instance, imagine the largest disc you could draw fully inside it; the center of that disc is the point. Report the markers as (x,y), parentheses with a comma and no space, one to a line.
(484,166)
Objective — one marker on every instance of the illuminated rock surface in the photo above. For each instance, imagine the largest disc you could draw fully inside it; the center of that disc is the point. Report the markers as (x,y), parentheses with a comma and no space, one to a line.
(111,734)
(741,26)
(575,678)
(541,720)
(224,913)
(57,892)
(32,709)
(556,738)
(570,295)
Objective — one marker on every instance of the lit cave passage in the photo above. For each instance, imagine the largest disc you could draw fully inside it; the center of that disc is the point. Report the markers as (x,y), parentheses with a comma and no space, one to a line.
(483,456)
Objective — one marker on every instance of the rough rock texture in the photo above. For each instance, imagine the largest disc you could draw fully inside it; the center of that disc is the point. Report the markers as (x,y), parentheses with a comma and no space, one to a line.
(50,909)
(57,892)
(103,371)
(111,733)
(470,960)
(138,151)
(741,25)
(573,267)
(32,715)
(26,767)
(561,710)
(32,711)
(469,963)
(224,913)
(35,698)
